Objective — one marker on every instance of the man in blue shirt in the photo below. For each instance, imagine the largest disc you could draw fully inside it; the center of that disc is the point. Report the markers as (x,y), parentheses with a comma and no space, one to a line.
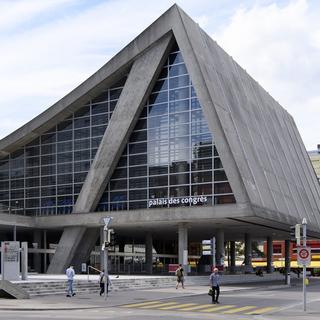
(215,285)
(70,275)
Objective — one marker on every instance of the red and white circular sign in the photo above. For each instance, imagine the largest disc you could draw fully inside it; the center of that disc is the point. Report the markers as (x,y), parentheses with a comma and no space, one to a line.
(304,255)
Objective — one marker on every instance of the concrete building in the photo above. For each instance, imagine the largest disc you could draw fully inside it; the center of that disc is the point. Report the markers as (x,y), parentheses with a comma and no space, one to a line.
(175,141)
(315,160)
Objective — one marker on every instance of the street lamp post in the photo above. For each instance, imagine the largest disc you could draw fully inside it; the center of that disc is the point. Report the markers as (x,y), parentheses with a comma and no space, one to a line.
(105,247)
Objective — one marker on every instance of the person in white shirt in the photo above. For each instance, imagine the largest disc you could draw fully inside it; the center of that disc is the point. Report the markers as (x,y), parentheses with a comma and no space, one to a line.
(70,275)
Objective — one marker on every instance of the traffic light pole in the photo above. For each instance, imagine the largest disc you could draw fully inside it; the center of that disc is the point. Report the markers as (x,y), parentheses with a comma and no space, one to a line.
(304,242)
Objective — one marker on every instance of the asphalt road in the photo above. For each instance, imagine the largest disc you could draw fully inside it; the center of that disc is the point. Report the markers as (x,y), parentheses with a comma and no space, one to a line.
(275,303)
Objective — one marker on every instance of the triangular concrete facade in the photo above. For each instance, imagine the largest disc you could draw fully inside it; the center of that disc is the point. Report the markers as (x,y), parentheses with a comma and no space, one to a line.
(262,152)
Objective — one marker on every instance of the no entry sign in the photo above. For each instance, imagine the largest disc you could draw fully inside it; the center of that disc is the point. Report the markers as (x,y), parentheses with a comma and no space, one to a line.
(304,256)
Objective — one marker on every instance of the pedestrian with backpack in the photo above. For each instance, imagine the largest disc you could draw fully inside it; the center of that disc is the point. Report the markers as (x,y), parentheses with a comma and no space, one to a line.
(180,276)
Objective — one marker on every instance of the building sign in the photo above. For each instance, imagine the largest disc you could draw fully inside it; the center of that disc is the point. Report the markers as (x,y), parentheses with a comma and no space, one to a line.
(159,202)
(10,260)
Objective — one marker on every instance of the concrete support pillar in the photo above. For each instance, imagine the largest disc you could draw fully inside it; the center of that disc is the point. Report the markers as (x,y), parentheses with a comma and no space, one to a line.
(37,244)
(269,255)
(45,256)
(220,254)
(232,256)
(287,261)
(248,253)
(183,245)
(149,253)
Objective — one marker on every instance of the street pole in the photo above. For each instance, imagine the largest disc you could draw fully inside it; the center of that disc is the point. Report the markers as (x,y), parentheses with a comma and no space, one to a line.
(105,260)
(304,239)
(213,252)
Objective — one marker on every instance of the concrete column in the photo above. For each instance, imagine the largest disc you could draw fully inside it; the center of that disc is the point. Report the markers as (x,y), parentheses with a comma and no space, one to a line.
(269,255)
(248,253)
(232,256)
(183,245)
(287,260)
(45,262)
(220,248)
(149,253)
(37,244)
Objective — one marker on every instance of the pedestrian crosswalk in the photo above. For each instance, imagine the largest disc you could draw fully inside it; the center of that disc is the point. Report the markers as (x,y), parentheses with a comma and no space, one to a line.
(205,308)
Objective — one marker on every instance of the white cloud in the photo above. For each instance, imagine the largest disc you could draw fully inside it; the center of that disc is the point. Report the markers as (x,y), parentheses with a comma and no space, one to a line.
(279,47)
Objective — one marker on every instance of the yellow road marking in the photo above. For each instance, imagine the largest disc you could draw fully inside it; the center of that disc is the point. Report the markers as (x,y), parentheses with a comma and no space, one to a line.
(218,308)
(260,311)
(178,306)
(159,305)
(196,307)
(239,309)
(139,304)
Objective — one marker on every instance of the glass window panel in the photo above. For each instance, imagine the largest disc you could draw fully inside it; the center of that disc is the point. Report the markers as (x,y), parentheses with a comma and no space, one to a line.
(66,178)
(179,155)
(175,58)
(17,163)
(32,162)
(65,125)
(64,136)
(17,194)
(48,191)
(78,177)
(223,187)
(32,203)
(119,173)
(82,112)
(177,82)
(99,119)
(49,148)
(133,205)
(65,200)
(47,181)
(138,194)
(100,108)
(201,152)
(32,151)
(178,106)
(32,182)
(4,195)
(179,118)
(17,183)
(82,133)
(159,97)
(48,202)
(138,136)
(197,116)
(179,94)
(199,127)
(34,142)
(160,85)
(158,181)
(113,105)
(81,166)
(104,96)
(118,196)
(155,193)
(160,158)
(4,175)
(141,124)
(32,192)
(138,171)
(181,166)
(164,73)
(201,189)
(158,170)
(203,164)
(64,157)
(33,172)
(64,210)
(4,185)
(64,168)
(81,144)
(181,191)
(122,162)
(118,184)
(158,109)
(220,175)
(118,206)
(215,152)
(137,148)
(138,183)
(224,199)
(179,143)
(81,122)
(4,165)
(193,92)
(179,130)
(217,163)
(48,138)
(158,133)
(199,177)
(98,131)
(179,179)
(81,155)
(61,190)
(17,173)
(115,93)
(95,142)
(195,104)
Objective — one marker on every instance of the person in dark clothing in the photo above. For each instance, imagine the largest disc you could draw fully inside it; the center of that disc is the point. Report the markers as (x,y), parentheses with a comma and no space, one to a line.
(102,279)
(215,285)
(180,276)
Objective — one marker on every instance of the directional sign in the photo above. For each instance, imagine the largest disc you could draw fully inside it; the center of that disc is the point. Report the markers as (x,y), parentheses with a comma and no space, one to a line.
(207,247)
(304,256)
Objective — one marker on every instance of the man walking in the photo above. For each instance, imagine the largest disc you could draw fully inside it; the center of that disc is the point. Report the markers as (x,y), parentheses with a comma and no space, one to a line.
(70,275)
(102,280)
(180,276)
(215,285)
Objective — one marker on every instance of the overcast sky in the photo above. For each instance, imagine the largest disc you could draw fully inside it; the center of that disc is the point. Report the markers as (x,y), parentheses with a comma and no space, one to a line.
(48,47)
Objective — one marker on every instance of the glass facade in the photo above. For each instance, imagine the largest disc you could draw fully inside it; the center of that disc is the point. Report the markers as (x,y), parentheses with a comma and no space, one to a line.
(171,159)
(46,175)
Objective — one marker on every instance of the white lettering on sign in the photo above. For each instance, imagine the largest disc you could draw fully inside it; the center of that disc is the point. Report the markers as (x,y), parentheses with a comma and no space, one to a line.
(187,200)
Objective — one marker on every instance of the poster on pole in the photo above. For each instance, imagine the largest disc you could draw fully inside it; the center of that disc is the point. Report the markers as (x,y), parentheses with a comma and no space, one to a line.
(304,256)
(10,260)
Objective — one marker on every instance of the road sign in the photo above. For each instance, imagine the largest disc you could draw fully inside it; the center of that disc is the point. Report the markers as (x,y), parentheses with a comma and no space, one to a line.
(304,256)
(207,247)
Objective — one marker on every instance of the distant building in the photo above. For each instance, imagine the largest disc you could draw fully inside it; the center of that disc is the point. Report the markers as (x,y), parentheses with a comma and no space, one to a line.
(315,159)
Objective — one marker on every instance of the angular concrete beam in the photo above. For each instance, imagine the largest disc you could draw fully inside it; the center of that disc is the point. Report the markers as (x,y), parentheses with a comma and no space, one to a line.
(12,291)
(137,89)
